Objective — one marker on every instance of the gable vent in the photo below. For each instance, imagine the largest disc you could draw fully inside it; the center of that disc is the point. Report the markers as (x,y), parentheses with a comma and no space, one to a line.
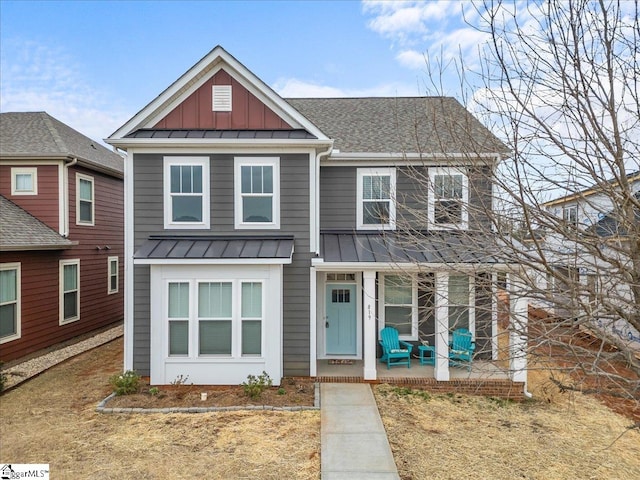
(221,98)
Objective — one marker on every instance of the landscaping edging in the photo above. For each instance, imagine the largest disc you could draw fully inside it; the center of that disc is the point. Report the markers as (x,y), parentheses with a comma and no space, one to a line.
(102,408)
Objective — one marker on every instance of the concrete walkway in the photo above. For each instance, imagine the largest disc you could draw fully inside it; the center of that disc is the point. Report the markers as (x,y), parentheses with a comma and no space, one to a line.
(354,442)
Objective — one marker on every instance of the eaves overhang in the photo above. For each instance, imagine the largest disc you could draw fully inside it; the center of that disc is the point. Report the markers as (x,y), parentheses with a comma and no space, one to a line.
(125,143)
(38,157)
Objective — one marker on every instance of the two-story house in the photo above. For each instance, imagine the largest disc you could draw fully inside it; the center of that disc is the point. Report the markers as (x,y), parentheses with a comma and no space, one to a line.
(266,234)
(61,234)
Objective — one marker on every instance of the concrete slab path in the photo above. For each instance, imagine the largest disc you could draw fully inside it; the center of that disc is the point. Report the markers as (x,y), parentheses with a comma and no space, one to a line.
(354,442)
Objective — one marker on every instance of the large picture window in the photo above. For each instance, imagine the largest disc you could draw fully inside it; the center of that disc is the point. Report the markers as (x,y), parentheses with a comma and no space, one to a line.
(400,302)
(257,192)
(85,203)
(376,198)
(186,192)
(448,199)
(9,302)
(69,290)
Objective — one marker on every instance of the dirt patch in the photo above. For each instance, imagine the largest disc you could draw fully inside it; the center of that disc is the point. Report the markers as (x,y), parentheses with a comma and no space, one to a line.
(293,392)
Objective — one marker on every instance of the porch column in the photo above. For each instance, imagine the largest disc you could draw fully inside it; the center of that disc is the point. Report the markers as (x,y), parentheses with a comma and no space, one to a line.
(518,330)
(370,335)
(494,316)
(442,326)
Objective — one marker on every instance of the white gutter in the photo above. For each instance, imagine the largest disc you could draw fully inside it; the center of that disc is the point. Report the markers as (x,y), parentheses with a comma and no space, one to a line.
(65,196)
(316,213)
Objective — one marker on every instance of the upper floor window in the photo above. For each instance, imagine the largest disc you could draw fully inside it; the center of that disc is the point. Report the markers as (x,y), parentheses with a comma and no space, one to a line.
(69,290)
(186,192)
(113,275)
(257,192)
(376,198)
(570,215)
(85,204)
(448,199)
(9,302)
(24,181)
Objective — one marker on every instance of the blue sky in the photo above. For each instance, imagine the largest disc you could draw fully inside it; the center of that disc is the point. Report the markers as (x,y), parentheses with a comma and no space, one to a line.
(93,64)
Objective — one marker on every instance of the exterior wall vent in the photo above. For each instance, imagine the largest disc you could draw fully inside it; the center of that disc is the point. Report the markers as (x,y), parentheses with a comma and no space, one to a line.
(221,98)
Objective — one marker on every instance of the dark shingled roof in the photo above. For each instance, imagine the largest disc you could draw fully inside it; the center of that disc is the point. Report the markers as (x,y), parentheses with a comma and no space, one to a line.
(610,226)
(391,247)
(19,230)
(38,134)
(215,248)
(297,134)
(428,125)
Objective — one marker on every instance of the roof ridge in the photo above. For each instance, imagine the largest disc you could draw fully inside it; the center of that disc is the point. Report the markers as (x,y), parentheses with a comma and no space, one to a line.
(55,134)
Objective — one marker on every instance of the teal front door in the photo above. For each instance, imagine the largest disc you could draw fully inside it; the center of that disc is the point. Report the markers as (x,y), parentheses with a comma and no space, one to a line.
(340,322)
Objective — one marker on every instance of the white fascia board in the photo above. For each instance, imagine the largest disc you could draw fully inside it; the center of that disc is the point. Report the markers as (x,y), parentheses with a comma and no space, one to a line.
(359,159)
(320,265)
(212,261)
(140,143)
(239,150)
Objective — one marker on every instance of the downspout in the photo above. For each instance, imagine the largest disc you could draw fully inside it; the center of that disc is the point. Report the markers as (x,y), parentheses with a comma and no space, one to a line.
(319,155)
(66,196)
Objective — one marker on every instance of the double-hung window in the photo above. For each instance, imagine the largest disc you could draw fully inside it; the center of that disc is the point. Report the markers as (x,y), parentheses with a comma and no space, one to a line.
(400,301)
(85,202)
(375,192)
(186,193)
(9,302)
(215,318)
(257,192)
(69,291)
(461,300)
(113,275)
(24,181)
(570,215)
(448,199)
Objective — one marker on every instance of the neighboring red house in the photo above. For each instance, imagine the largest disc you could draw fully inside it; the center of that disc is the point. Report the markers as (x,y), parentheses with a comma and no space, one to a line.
(61,234)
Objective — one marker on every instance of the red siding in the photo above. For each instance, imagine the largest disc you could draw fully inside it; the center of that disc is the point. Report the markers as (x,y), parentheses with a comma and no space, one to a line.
(45,205)
(247,111)
(40,274)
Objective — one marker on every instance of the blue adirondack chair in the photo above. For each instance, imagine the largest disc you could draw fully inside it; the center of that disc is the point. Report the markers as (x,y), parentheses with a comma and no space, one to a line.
(394,350)
(461,348)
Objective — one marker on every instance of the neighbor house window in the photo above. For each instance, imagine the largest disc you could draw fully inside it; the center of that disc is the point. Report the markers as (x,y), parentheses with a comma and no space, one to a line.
(69,290)
(113,275)
(376,198)
(85,203)
(186,192)
(448,199)
(400,302)
(257,192)
(570,215)
(24,181)
(9,302)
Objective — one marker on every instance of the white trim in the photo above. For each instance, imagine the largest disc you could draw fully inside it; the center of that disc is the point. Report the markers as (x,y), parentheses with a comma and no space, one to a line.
(18,268)
(212,261)
(221,98)
(414,304)
(274,163)
(129,239)
(313,322)
(448,171)
(376,172)
(242,148)
(62,264)
(111,291)
(370,335)
(33,172)
(63,202)
(87,178)
(321,265)
(441,282)
(168,162)
(401,158)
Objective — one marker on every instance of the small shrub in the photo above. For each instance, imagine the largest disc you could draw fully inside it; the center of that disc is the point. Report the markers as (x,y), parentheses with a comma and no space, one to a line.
(180,380)
(281,391)
(254,386)
(125,383)
(154,391)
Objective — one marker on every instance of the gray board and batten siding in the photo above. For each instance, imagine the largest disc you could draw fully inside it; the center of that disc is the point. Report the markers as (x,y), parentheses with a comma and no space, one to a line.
(338,202)
(294,214)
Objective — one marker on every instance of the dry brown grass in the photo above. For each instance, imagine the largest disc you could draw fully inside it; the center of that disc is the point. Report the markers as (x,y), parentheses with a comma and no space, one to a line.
(51,419)
(456,436)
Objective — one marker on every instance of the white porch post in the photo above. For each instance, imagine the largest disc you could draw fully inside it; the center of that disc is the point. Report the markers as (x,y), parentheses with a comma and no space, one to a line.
(369,319)
(494,316)
(442,326)
(518,330)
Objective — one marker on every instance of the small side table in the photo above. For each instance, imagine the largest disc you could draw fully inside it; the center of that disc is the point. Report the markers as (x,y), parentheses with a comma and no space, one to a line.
(429,360)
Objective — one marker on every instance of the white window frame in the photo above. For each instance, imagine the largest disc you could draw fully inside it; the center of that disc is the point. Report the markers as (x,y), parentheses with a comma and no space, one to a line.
(200,161)
(17,267)
(111,274)
(15,171)
(448,171)
(414,305)
(63,263)
(377,172)
(81,177)
(567,212)
(273,162)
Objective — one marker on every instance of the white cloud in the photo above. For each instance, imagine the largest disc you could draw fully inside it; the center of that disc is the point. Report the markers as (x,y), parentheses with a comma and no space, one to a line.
(411,59)
(39,77)
(296,88)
